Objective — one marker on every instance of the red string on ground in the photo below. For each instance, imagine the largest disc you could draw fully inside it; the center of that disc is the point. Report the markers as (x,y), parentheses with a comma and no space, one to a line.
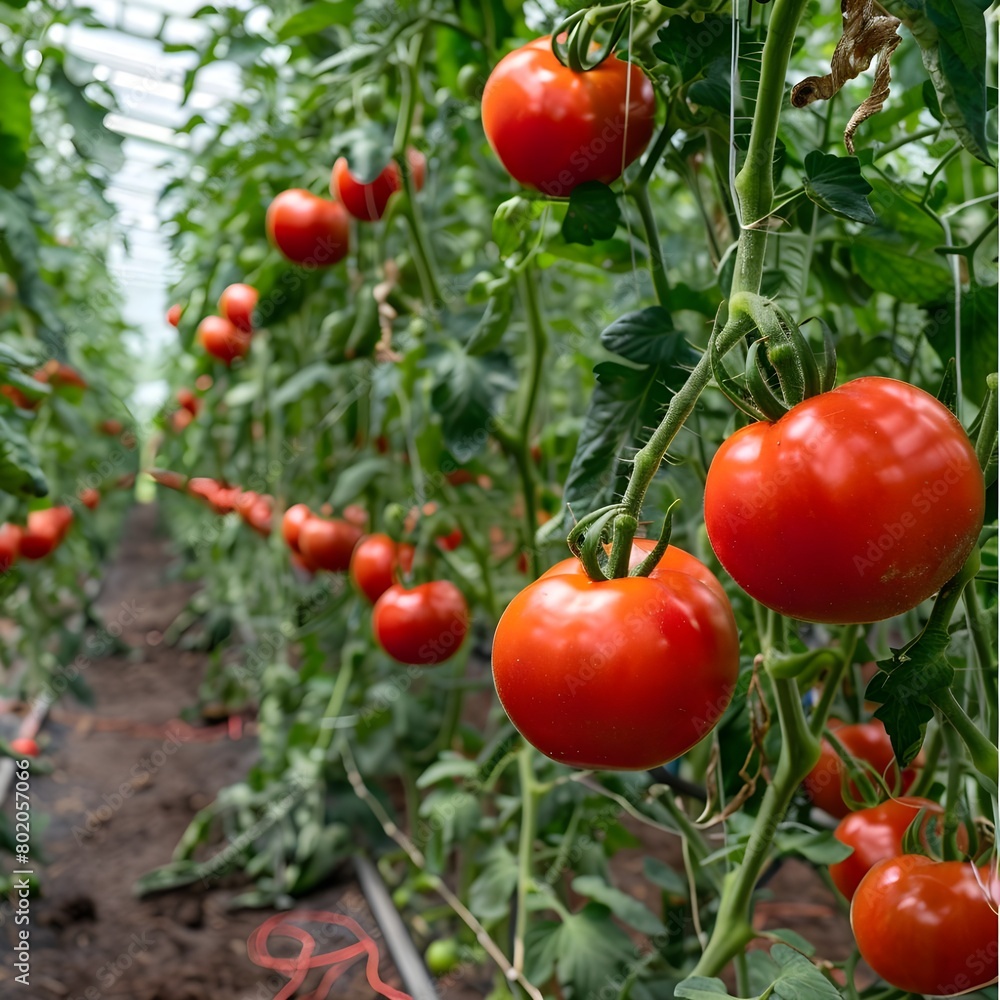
(297,968)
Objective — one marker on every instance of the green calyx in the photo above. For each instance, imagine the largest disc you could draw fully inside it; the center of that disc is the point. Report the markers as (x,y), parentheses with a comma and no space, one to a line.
(573,39)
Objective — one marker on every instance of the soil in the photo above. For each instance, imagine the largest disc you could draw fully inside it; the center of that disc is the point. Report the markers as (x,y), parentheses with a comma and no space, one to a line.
(127,777)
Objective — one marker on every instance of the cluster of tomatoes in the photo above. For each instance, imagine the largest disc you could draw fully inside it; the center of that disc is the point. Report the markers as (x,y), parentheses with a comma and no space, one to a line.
(44,532)
(228,335)
(54,373)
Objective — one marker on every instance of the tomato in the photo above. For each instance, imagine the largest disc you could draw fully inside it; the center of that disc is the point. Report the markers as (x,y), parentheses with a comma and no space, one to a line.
(255,511)
(307,229)
(868,742)
(90,498)
(619,674)
(58,374)
(442,956)
(328,544)
(855,506)
(223,340)
(174,315)
(18,398)
(291,524)
(237,304)
(202,488)
(172,480)
(180,420)
(111,427)
(451,541)
(189,401)
(877,833)
(554,129)
(375,565)
(929,927)
(10,545)
(367,202)
(24,746)
(225,499)
(423,626)
(45,531)
(356,514)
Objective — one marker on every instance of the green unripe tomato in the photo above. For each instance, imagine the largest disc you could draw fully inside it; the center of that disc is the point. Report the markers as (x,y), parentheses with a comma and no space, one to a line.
(344,109)
(442,956)
(470,81)
(401,897)
(371,98)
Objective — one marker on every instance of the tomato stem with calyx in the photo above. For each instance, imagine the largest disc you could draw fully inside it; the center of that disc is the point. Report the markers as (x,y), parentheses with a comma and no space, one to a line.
(652,560)
(986,439)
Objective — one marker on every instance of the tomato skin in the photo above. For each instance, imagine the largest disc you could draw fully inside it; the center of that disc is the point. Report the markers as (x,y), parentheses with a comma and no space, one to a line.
(187,399)
(222,340)
(867,741)
(620,674)
(452,540)
(375,566)
(855,506)
(174,315)
(58,374)
(356,514)
(554,129)
(423,626)
(328,544)
(18,398)
(237,304)
(112,428)
(926,926)
(24,746)
(90,498)
(367,202)
(45,531)
(307,229)
(877,834)
(291,524)
(10,545)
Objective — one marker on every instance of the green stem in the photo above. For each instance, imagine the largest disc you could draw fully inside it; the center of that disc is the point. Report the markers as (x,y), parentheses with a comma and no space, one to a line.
(928,773)
(905,140)
(981,749)
(979,630)
(333,708)
(951,822)
(834,680)
(798,755)
(525,879)
(657,266)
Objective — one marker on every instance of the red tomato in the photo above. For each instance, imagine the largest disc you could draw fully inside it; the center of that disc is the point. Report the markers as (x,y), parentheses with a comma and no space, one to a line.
(111,427)
(237,304)
(189,401)
(223,340)
(24,746)
(225,499)
(423,626)
(375,565)
(367,202)
(328,544)
(307,229)
(256,512)
(45,531)
(180,420)
(56,373)
(356,514)
(291,524)
(868,742)
(10,545)
(854,507)
(174,315)
(90,498)
(172,480)
(929,927)
(18,398)
(619,675)
(553,129)
(877,833)
(203,488)
(451,541)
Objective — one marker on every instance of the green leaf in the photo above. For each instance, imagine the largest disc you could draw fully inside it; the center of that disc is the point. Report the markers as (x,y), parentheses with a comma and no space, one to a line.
(836,185)
(952,39)
(468,392)
(661,874)
(449,767)
(15,125)
(512,223)
(356,478)
(585,951)
(700,988)
(305,379)
(640,336)
(978,312)
(888,263)
(593,214)
(622,905)
(242,394)
(820,847)
(489,331)
(491,892)
(799,979)
(692,46)
(315,17)
(715,90)
(19,470)
(92,140)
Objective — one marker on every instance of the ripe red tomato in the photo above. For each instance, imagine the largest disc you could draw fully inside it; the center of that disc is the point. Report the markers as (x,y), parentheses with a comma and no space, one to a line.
(291,524)
(855,506)
(375,565)
(929,927)
(620,674)
(553,129)
(256,511)
(307,229)
(189,401)
(24,746)
(356,514)
(868,742)
(18,398)
(172,480)
(237,304)
(174,315)
(328,544)
(180,420)
(423,626)
(58,374)
(223,340)
(90,498)
(111,427)
(45,531)
(225,499)
(10,545)
(367,202)
(451,541)
(202,488)
(877,833)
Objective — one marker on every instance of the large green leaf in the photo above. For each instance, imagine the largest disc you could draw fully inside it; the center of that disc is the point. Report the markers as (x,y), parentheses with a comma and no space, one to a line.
(19,471)
(975,347)
(593,214)
(15,125)
(836,185)
(952,39)
(621,904)
(94,142)
(315,17)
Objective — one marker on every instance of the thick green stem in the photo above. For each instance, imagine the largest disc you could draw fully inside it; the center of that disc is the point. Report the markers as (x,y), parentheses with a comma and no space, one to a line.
(754,182)
(981,749)
(949,834)
(657,265)
(981,641)
(525,854)
(798,755)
